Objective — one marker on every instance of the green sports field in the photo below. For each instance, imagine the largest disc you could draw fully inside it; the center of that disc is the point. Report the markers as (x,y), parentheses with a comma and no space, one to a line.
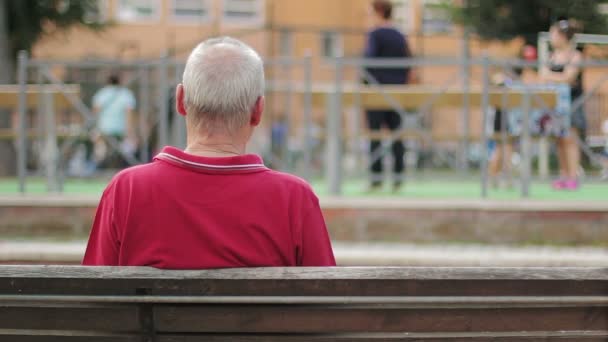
(422,189)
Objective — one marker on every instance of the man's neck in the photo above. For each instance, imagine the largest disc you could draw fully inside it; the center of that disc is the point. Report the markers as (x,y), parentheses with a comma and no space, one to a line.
(384,23)
(216,147)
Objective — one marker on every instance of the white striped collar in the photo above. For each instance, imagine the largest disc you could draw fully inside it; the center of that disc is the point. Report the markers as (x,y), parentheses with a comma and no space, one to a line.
(244,163)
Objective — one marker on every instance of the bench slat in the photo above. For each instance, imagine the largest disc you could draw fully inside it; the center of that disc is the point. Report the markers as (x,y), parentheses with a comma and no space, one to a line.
(311,273)
(562,336)
(320,319)
(116,318)
(303,304)
(300,287)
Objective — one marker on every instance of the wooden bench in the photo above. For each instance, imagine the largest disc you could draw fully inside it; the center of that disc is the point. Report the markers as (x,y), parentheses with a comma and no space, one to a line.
(63,303)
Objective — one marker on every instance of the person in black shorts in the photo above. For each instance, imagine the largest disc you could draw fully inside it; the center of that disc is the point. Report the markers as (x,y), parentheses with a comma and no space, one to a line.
(385,41)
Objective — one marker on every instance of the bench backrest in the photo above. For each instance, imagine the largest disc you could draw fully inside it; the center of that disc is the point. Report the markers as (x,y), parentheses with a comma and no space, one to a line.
(71,303)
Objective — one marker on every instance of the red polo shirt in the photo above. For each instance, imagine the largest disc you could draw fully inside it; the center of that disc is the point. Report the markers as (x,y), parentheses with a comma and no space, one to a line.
(189,212)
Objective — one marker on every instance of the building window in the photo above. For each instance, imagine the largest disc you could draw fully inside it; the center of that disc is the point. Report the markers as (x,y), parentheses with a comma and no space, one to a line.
(138,10)
(403,15)
(243,12)
(96,12)
(331,44)
(436,17)
(191,10)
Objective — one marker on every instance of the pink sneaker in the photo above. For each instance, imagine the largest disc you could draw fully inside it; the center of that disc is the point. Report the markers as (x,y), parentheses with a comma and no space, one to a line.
(571,185)
(559,184)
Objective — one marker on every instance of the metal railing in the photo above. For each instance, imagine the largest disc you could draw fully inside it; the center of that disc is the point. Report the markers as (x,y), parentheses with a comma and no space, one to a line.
(156,79)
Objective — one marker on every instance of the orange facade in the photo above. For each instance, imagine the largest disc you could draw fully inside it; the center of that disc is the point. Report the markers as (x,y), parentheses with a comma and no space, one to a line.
(150,28)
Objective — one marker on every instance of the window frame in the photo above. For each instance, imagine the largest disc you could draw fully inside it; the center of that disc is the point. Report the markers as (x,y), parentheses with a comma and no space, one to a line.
(403,15)
(156,5)
(258,20)
(338,49)
(425,29)
(103,8)
(191,19)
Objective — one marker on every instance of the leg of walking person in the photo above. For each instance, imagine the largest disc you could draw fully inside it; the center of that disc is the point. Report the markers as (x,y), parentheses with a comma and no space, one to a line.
(393,121)
(573,150)
(495,163)
(374,123)
(573,159)
(562,163)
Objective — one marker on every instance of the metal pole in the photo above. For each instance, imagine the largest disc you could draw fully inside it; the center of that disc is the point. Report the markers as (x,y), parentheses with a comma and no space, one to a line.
(504,138)
(144,111)
(22,60)
(333,133)
(50,145)
(485,103)
(543,158)
(287,100)
(307,145)
(358,111)
(526,146)
(179,122)
(466,105)
(163,125)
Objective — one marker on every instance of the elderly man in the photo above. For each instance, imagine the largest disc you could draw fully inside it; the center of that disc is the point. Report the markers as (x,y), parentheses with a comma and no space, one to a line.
(211,205)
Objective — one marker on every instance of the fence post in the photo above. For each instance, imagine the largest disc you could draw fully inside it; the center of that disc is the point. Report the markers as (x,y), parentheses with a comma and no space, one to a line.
(307,145)
(466,104)
(50,143)
(526,146)
(543,158)
(485,103)
(287,65)
(333,132)
(163,105)
(179,121)
(22,61)
(144,111)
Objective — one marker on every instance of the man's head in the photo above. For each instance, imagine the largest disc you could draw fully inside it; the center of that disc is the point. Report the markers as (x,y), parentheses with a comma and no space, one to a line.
(382,11)
(114,79)
(223,89)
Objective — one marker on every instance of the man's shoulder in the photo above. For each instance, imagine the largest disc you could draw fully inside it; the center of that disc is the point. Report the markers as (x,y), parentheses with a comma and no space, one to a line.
(386,30)
(290,181)
(137,173)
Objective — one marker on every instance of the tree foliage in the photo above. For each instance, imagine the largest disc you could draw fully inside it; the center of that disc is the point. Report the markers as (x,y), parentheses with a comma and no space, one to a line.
(28,20)
(507,19)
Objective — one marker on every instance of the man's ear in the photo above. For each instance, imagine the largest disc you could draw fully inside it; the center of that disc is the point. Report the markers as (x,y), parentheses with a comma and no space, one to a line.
(179,99)
(258,110)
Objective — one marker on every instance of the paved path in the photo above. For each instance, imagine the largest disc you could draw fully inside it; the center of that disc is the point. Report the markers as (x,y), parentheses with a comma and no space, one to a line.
(360,254)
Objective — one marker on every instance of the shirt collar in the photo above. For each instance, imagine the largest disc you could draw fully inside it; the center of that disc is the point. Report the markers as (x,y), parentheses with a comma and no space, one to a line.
(238,164)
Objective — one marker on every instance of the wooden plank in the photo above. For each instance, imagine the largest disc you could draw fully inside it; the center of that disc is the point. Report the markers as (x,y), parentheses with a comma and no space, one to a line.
(75,280)
(308,273)
(72,338)
(117,318)
(414,96)
(9,95)
(361,287)
(561,336)
(336,319)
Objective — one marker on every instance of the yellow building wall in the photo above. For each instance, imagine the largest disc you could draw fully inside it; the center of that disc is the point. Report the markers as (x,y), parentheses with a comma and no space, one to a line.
(151,40)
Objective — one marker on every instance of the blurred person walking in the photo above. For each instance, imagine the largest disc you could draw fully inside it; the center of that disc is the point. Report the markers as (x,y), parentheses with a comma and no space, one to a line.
(114,105)
(385,41)
(564,68)
(605,152)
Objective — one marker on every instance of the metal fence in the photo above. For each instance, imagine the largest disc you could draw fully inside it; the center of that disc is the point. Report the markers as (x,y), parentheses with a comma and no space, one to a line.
(155,80)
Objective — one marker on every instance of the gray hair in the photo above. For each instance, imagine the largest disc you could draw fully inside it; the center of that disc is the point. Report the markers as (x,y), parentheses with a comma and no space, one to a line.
(223,80)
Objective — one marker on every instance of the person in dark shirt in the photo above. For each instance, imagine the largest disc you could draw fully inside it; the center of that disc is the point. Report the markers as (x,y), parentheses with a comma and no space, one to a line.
(385,41)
